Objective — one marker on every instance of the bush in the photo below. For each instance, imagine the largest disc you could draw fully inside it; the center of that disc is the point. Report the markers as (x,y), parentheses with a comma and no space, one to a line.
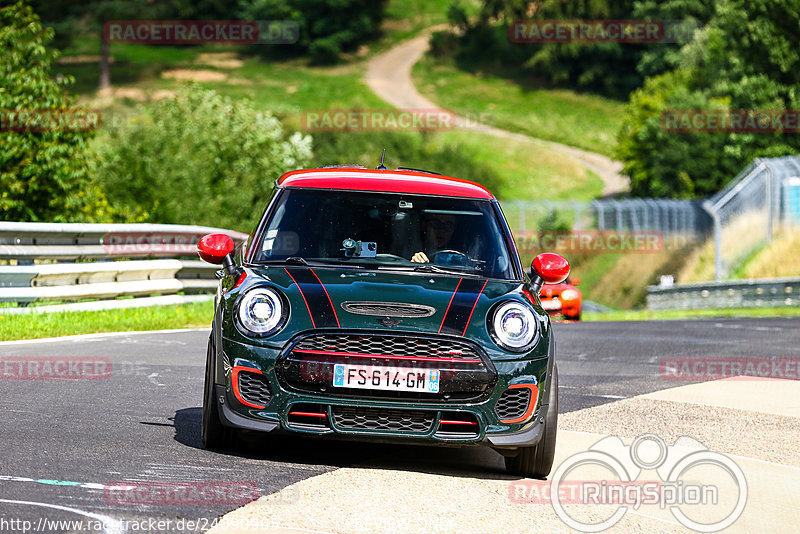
(200,158)
(44,175)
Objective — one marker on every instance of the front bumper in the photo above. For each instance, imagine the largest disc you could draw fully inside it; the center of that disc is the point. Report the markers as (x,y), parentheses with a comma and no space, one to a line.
(473,422)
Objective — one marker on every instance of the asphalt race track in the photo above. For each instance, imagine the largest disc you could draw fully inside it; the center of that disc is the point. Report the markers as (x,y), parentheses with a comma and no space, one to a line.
(65,442)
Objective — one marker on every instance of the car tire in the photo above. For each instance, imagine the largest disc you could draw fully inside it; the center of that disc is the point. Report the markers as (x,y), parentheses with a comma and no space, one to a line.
(214,434)
(537,461)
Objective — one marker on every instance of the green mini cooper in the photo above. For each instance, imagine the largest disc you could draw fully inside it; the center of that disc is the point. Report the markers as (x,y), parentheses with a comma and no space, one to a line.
(383,305)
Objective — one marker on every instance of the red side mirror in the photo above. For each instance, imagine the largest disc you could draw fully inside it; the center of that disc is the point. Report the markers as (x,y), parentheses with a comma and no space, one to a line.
(552,268)
(214,247)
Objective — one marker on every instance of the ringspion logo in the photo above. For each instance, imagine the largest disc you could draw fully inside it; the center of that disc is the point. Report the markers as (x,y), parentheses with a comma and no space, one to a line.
(691,480)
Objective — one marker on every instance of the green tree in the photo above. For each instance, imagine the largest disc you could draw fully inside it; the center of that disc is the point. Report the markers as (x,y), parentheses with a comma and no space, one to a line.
(69,18)
(326,28)
(747,57)
(199,158)
(44,175)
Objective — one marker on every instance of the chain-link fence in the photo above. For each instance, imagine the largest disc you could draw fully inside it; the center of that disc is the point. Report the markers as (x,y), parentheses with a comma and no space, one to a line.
(745,213)
(659,215)
(741,217)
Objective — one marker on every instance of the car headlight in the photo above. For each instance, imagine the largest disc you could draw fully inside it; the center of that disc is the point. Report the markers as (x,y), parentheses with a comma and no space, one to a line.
(513,326)
(570,294)
(261,311)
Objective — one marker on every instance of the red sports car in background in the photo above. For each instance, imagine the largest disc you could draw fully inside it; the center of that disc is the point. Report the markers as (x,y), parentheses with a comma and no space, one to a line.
(563,299)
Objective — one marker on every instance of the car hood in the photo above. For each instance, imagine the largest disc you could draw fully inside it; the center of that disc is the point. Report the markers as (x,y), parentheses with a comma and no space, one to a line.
(323,297)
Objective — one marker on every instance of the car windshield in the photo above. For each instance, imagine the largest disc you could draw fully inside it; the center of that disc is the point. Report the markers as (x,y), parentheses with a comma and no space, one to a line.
(386,231)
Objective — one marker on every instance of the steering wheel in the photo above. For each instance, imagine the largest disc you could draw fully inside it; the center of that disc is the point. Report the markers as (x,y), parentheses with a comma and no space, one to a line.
(450,251)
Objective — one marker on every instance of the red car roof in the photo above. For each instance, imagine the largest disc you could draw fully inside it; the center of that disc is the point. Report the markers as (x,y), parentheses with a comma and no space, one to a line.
(412,182)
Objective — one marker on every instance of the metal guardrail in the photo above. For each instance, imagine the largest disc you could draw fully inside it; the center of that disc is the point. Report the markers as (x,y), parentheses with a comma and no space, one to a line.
(768,292)
(69,277)
(71,241)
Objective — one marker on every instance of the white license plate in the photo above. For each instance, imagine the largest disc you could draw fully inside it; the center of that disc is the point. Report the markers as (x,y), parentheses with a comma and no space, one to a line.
(552,304)
(388,378)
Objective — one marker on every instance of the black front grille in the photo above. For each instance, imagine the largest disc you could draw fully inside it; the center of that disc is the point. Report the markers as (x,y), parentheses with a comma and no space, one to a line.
(464,374)
(254,388)
(513,403)
(390,346)
(376,419)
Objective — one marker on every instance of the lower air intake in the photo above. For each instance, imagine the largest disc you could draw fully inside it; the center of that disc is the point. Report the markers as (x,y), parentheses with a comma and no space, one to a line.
(375,419)
(513,403)
(254,388)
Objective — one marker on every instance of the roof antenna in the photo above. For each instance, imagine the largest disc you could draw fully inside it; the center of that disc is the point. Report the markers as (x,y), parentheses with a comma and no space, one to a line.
(382,167)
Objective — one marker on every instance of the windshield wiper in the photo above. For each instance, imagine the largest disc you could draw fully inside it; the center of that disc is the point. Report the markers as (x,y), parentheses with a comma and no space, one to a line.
(291,260)
(430,268)
(297,260)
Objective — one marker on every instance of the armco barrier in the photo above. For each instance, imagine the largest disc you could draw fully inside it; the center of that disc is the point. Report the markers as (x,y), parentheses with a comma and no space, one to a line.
(51,261)
(768,292)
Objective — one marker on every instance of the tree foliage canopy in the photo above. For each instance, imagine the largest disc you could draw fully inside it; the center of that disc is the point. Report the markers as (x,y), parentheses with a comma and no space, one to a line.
(326,28)
(747,57)
(44,175)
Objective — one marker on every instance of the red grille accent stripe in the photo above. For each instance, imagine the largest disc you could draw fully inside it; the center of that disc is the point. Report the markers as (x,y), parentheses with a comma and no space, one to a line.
(389,356)
(445,422)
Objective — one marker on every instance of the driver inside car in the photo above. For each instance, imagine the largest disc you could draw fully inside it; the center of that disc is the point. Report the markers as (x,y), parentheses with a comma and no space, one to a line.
(438,231)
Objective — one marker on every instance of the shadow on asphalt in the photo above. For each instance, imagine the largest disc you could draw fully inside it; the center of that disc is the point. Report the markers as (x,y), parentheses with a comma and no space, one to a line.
(470,461)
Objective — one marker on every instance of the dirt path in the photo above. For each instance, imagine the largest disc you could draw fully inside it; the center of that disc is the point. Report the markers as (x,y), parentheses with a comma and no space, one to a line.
(389,76)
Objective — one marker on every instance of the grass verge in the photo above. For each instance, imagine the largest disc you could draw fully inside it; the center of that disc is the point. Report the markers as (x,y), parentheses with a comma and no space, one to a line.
(647,315)
(585,121)
(40,325)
